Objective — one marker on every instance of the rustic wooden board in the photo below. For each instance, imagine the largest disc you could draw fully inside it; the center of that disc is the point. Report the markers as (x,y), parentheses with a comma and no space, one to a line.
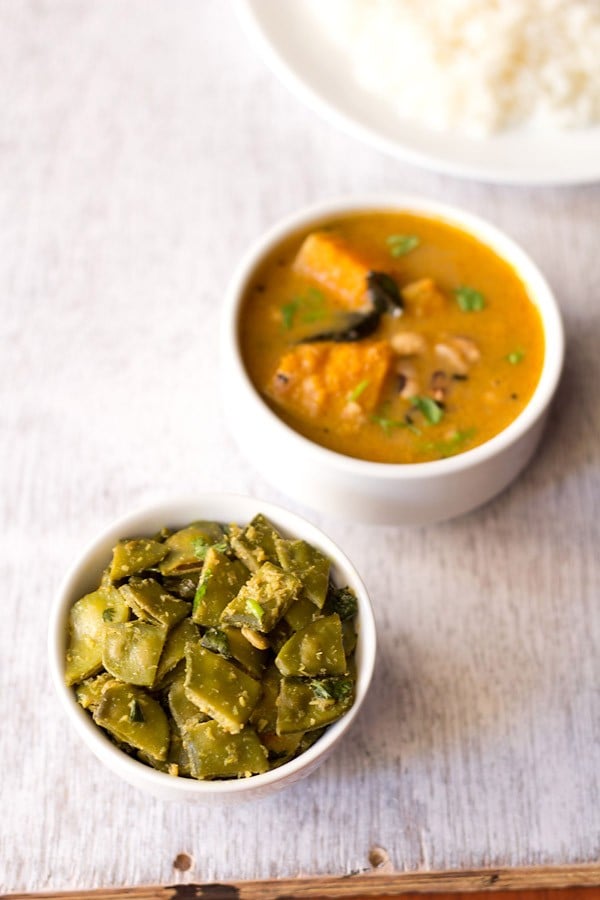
(549,883)
(142,147)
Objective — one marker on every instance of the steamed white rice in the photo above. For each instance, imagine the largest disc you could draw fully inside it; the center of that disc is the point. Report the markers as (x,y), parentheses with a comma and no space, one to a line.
(474,66)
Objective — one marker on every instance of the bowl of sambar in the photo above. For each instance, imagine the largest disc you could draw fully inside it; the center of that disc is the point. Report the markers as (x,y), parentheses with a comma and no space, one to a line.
(389,361)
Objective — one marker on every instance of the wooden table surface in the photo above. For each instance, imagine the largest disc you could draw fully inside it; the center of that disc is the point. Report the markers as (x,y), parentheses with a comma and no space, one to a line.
(143,146)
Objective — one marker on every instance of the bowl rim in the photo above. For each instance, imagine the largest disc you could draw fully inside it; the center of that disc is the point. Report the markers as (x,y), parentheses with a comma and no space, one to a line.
(137,772)
(497,240)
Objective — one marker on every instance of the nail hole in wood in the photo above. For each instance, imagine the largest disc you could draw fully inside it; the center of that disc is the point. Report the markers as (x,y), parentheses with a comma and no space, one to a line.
(183,862)
(378,857)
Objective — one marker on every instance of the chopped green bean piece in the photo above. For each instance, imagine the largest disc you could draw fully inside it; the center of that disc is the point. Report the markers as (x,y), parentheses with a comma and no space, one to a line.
(133,556)
(264,715)
(255,545)
(215,753)
(219,688)
(303,705)
(184,712)
(308,564)
(132,650)
(349,637)
(174,650)
(149,734)
(187,547)
(150,601)
(301,613)
(220,582)
(88,619)
(317,649)
(89,692)
(263,600)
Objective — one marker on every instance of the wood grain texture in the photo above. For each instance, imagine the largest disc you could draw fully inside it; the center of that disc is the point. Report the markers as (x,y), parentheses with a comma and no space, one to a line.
(142,147)
(551,883)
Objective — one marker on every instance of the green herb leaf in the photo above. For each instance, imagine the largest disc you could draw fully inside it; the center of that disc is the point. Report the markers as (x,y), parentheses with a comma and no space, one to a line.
(201,589)
(469,299)
(200,546)
(515,357)
(342,601)
(401,244)
(432,411)
(358,390)
(451,446)
(288,314)
(108,614)
(254,608)
(332,688)
(309,307)
(221,547)
(135,712)
(388,425)
(216,640)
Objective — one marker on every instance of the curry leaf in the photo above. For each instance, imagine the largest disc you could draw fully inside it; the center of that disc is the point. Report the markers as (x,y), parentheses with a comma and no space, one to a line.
(384,294)
(135,712)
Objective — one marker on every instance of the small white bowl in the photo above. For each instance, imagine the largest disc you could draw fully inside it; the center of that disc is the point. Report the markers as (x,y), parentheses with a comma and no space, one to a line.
(84,576)
(385,493)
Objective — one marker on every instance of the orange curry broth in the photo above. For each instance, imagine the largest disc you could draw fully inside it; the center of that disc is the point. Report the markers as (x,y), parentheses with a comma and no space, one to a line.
(282,307)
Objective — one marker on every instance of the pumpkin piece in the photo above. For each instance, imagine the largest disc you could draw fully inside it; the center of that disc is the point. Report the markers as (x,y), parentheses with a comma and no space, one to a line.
(340,383)
(326,259)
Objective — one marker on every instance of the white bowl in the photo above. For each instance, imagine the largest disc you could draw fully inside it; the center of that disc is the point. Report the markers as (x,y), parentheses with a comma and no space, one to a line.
(84,576)
(385,493)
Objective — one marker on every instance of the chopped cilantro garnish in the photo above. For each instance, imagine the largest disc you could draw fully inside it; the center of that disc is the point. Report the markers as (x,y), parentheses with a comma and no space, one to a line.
(108,614)
(309,307)
(432,411)
(452,445)
(201,589)
(382,419)
(288,313)
(469,299)
(515,357)
(222,547)
(135,712)
(358,390)
(200,546)
(401,244)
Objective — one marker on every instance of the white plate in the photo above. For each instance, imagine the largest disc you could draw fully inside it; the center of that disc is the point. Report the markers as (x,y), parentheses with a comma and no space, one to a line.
(317,72)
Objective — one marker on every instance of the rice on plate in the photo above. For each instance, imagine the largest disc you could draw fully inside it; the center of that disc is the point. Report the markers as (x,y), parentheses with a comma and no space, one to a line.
(474,66)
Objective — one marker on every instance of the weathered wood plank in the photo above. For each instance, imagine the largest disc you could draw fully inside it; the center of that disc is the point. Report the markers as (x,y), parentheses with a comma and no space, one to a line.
(523,884)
